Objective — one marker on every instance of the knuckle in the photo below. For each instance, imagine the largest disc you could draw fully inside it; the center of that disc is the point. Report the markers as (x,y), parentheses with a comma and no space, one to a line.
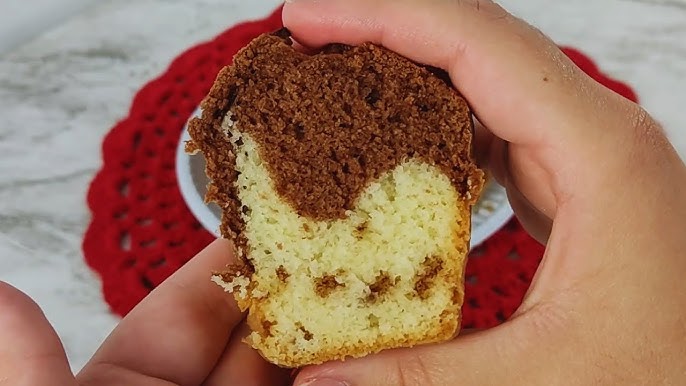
(488,8)
(412,370)
(645,129)
(640,119)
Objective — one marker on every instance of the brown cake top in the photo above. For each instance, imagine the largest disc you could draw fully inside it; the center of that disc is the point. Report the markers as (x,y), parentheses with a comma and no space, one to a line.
(327,124)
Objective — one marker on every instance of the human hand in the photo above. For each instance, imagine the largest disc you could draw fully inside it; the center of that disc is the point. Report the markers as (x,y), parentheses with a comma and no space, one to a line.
(588,172)
(187,332)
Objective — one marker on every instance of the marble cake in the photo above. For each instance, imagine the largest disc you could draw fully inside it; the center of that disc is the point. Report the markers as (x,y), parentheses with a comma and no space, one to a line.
(346,180)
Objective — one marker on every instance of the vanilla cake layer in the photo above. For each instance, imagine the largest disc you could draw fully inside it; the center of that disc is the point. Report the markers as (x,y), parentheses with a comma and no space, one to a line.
(324,290)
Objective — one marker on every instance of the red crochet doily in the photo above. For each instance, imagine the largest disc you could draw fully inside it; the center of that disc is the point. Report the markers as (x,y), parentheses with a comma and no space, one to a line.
(141,230)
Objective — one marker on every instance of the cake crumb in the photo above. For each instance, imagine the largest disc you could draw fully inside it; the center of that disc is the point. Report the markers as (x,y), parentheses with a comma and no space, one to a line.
(306,334)
(431,266)
(382,284)
(267,327)
(234,279)
(373,320)
(282,274)
(325,285)
(360,229)
(191,148)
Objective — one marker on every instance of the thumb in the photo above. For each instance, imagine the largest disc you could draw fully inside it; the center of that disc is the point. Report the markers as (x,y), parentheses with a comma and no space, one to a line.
(570,138)
(490,357)
(30,351)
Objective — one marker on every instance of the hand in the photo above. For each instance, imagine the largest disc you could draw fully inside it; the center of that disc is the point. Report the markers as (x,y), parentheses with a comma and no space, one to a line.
(187,332)
(588,172)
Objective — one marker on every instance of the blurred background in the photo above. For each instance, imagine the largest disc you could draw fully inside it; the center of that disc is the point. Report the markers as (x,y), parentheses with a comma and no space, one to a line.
(69,70)
(21,21)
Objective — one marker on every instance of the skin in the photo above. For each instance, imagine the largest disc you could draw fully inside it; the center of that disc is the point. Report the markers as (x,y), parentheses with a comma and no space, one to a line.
(589,173)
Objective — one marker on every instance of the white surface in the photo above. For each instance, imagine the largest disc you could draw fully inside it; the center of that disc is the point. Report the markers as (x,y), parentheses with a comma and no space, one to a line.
(64,90)
(190,173)
(490,213)
(22,20)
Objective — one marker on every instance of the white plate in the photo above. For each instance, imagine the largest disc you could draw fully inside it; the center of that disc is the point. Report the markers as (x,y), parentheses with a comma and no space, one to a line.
(488,215)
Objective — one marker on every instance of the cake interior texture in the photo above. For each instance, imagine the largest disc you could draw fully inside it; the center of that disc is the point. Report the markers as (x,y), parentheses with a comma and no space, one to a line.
(346,180)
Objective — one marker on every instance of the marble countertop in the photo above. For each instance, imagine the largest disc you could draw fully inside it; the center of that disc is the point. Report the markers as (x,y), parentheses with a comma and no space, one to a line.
(63,90)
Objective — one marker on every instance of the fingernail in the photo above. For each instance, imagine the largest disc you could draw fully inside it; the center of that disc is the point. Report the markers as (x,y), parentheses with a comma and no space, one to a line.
(324,382)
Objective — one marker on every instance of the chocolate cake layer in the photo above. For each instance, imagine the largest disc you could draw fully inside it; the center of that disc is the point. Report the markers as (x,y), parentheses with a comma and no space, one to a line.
(329,123)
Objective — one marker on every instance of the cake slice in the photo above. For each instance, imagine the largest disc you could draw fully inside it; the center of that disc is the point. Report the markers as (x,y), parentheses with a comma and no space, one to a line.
(346,180)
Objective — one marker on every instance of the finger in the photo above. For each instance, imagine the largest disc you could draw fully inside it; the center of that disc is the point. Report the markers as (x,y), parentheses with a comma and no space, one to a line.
(483,140)
(453,363)
(31,353)
(517,81)
(498,161)
(510,354)
(242,365)
(500,63)
(536,223)
(468,331)
(177,333)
